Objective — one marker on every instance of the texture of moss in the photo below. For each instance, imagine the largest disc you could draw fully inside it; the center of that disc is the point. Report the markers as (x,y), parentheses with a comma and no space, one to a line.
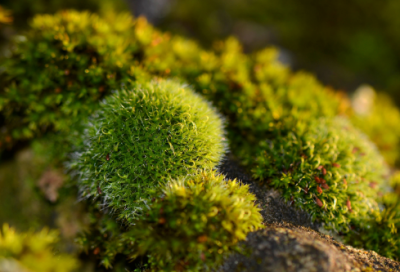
(329,169)
(83,57)
(139,138)
(197,221)
(70,61)
(32,252)
(57,75)
(191,225)
(380,232)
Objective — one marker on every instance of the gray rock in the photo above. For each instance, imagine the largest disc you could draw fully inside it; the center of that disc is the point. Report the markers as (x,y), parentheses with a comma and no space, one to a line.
(291,242)
(273,207)
(285,247)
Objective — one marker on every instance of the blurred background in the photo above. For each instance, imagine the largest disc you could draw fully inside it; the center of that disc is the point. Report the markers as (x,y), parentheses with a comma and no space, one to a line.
(345,43)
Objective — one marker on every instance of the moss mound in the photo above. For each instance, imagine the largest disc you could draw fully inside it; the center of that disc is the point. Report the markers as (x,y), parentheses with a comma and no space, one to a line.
(190,225)
(329,169)
(197,221)
(141,137)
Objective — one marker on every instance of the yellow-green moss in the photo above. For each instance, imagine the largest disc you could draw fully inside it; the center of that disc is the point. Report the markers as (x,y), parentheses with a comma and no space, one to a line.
(32,252)
(377,116)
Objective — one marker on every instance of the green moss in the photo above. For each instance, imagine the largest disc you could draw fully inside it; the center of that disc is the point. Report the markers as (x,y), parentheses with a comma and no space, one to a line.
(32,252)
(329,169)
(377,116)
(71,60)
(281,124)
(195,222)
(141,137)
(57,74)
(108,242)
(380,233)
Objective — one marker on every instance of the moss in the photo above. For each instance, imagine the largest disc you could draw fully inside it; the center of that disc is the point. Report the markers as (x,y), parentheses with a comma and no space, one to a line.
(104,240)
(380,232)
(32,252)
(57,74)
(274,208)
(197,221)
(84,57)
(194,223)
(141,137)
(70,61)
(329,169)
(343,54)
(377,116)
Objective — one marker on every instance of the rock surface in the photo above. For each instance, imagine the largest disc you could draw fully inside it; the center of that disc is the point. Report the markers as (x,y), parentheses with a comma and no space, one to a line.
(285,247)
(273,207)
(291,242)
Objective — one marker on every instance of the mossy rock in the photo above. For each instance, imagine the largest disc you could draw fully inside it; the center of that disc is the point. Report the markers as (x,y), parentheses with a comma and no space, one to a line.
(268,109)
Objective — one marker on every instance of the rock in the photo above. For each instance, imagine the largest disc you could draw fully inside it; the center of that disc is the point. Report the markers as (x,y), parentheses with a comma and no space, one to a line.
(274,208)
(285,247)
(291,242)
